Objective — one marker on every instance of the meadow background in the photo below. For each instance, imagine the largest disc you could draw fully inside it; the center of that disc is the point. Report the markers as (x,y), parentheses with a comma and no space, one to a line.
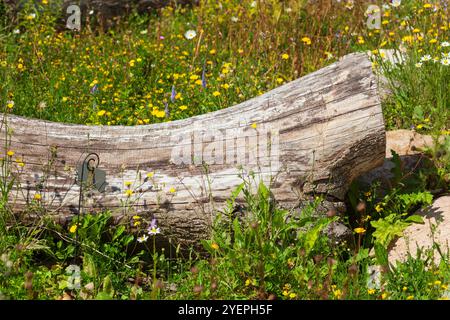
(181,61)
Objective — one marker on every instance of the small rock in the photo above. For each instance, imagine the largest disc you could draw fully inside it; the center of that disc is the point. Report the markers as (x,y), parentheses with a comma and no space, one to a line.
(408,145)
(339,233)
(89,286)
(421,235)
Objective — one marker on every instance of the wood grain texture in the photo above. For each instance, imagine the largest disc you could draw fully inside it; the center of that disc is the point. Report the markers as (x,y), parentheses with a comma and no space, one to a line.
(313,135)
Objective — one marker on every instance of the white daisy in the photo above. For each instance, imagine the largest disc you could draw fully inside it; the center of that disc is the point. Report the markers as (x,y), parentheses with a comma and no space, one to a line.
(418,64)
(445,44)
(396,3)
(445,61)
(144,238)
(446,55)
(425,58)
(190,34)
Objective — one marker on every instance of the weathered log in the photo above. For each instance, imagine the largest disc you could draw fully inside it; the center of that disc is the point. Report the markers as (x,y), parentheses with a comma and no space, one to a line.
(314,135)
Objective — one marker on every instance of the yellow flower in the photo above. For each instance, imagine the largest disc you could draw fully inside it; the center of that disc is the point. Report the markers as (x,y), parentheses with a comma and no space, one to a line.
(101,113)
(44,1)
(285,56)
(306,41)
(437,283)
(172,190)
(292,295)
(20,66)
(409,297)
(368,194)
(131,63)
(37,197)
(10,153)
(136,217)
(64,99)
(10,104)
(433,41)
(384,295)
(427,5)
(337,293)
(378,208)
(150,174)
(371,291)
(216,93)
(253,125)
(248,282)
(212,51)
(128,192)
(285,293)
(419,126)
(73,228)
(127,183)
(359,230)
(215,246)
(405,288)
(183,107)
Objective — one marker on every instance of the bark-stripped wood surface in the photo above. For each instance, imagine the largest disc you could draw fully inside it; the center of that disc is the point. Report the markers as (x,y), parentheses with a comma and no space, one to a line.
(313,135)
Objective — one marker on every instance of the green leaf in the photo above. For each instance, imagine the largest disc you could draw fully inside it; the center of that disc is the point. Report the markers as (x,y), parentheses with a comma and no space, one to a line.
(387,229)
(415,219)
(381,254)
(312,235)
(103,296)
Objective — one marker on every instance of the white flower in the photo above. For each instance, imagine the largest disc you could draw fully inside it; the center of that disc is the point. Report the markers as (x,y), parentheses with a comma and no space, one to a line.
(190,34)
(142,239)
(288,9)
(396,3)
(153,231)
(418,64)
(42,105)
(425,58)
(253,4)
(445,44)
(445,61)
(91,12)
(350,4)
(446,55)
(16,31)
(32,15)
(234,19)
(144,32)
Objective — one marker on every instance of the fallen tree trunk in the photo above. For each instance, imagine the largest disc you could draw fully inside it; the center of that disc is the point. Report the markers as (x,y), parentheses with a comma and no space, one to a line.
(314,135)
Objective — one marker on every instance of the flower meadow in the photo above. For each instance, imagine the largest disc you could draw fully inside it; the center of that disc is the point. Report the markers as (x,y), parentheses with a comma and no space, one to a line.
(179,61)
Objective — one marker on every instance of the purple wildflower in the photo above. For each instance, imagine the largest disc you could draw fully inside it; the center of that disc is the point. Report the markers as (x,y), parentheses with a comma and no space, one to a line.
(204,78)
(94,89)
(174,93)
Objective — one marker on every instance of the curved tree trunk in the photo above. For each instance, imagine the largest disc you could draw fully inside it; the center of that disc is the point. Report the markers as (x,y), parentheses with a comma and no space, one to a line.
(313,135)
